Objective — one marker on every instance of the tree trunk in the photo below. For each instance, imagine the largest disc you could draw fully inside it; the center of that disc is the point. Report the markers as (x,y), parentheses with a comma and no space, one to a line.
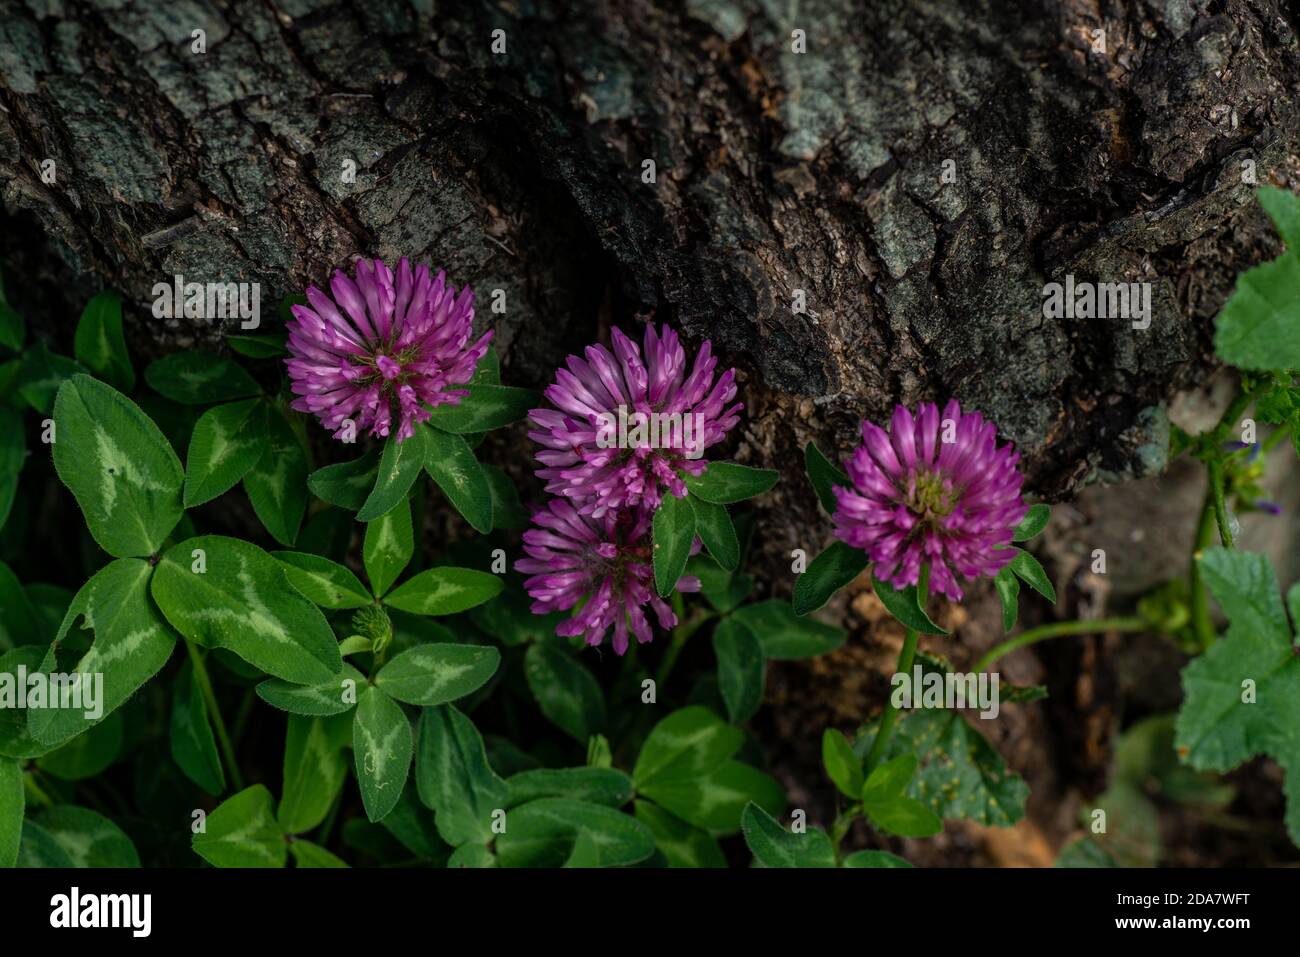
(860,204)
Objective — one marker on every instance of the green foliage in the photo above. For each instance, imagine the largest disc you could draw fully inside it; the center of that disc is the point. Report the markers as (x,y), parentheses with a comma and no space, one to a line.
(118,466)
(1259,327)
(1242,697)
(672,535)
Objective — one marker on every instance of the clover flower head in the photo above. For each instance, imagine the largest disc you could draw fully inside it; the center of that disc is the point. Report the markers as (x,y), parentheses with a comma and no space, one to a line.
(936,490)
(382,347)
(602,567)
(624,423)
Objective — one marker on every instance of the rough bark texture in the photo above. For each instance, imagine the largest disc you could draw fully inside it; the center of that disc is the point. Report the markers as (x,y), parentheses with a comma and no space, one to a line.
(776,172)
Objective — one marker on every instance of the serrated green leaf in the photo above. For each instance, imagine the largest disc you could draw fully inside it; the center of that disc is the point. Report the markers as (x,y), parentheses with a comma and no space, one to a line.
(472,856)
(713,525)
(724,483)
(724,590)
(774,846)
(542,833)
(193,747)
(903,604)
(412,823)
(399,466)
(199,378)
(436,674)
(824,476)
(118,466)
(606,786)
(227,441)
(277,484)
(334,695)
(568,695)
(346,484)
(388,547)
(322,581)
(486,407)
(1242,697)
(131,643)
(87,838)
(784,636)
(509,618)
(242,832)
(714,801)
(960,775)
(40,850)
(315,768)
(1283,207)
(689,742)
(1008,588)
(681,844)
(41,375)
(88,754)
(507,509)
(452,465)
(1027,568)
(741,668)
(1035,521)
(888,779)
(488,370)
(904,817)
(444,591)
(830,571)
(99,344)
(1256,328)
(673,532)
(382,746)
(243,602)
(16,740)
(454,777)
(843,767)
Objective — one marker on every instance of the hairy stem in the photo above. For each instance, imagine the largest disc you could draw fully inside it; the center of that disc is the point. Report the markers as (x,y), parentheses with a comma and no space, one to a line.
(841,827)
(214,715)
(1198,597)
(1057,629)
(905,659)
(1220,508)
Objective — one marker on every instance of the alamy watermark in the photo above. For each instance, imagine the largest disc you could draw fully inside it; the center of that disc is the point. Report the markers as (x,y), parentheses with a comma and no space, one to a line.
(1098,300)
(78,691)
(210,300)
(75,909)
(949,689)
(653,430)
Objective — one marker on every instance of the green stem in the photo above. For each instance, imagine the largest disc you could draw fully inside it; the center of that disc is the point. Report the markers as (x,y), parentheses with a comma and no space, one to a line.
(1057,629)
(1216,495)
(905,659)
(1199,597)
(29,781)
(841,827)
(1274,437)
(214,714)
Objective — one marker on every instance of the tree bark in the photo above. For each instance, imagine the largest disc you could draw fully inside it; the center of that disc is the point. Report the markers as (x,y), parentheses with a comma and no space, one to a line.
(780,177)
